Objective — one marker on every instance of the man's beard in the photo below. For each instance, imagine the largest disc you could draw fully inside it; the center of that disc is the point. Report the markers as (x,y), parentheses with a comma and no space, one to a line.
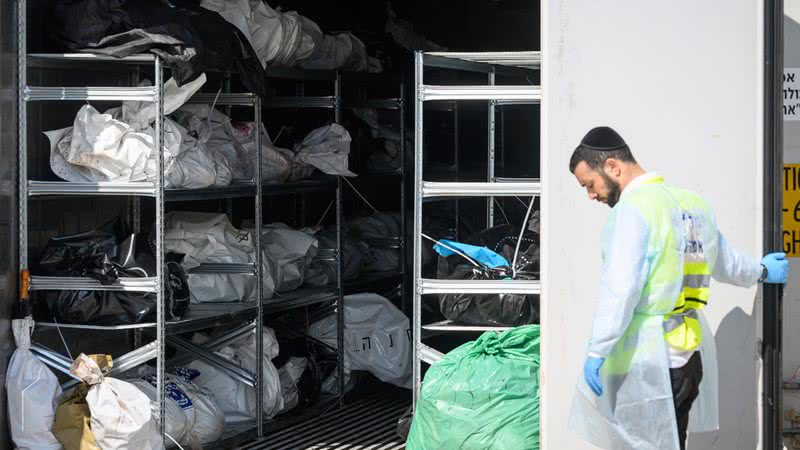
(614,190)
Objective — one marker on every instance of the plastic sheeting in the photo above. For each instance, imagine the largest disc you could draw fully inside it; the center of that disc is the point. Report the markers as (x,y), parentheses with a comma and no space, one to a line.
(377,338)
(189,38)
(118,145)
(236,399)
(277,37)
(341,51)
(323,273)
(33,393)
(493,309)
(484,395)
(287,255)
(378,226)
(383,141)
(102,254)
(277,164)
(328,149)
(193,417)
(211,238)
(209,419)
(290,374)
(214,131)
(288,38)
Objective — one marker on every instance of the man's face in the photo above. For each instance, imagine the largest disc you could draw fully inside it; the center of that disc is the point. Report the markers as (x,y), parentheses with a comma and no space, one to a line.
(599,186)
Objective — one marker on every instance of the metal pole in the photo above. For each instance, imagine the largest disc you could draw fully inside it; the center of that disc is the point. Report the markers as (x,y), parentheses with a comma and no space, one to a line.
(773,162)
(259,280)
(337,94)
(456,165)
(417,304)
(490,156)
(22,133)
(159,207)
(403,238)
(337,112)
(340,297)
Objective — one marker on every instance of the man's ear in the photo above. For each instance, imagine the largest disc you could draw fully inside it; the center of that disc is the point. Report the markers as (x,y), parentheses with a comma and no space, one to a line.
(613,167)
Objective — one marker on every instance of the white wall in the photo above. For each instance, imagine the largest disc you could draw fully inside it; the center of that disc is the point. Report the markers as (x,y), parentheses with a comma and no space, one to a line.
(681,81)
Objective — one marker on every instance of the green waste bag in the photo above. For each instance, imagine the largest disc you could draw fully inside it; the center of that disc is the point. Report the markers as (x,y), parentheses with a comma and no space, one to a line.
(482,395)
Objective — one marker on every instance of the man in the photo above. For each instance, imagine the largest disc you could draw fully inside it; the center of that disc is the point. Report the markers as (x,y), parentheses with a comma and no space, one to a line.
(651,355)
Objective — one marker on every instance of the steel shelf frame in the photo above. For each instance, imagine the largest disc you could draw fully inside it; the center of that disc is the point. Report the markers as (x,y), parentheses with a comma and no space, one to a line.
(397,104)
(155,189)
(334,104)
(163,332)
(492,64)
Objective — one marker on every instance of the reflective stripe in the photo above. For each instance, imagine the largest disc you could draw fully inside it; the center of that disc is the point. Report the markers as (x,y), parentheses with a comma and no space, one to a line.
(698,267)
(697,281)
(674,321)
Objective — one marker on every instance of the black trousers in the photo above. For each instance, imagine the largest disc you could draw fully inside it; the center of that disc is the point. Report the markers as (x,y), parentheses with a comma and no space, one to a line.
(685,389)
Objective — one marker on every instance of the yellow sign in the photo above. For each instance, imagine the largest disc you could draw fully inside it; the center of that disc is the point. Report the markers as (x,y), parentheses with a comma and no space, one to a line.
(791,210)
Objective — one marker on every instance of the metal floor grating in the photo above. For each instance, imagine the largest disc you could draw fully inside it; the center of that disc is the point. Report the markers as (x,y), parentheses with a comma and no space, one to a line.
(367,424)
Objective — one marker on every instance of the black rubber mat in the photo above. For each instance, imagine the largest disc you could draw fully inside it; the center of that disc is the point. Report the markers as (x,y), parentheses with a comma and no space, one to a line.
(366,424)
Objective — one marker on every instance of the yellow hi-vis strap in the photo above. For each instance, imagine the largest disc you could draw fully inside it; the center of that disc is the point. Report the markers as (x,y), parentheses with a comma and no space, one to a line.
(684,331)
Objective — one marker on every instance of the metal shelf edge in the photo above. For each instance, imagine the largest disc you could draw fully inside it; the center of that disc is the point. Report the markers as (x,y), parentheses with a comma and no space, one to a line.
(448,325)
(517,93)
(524,287)
(93,93)
(432,189)
(46,283)
(61,188)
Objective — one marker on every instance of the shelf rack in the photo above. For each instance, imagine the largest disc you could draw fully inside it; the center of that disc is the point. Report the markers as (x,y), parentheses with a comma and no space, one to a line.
(200,316)
(505,63)
(396,104)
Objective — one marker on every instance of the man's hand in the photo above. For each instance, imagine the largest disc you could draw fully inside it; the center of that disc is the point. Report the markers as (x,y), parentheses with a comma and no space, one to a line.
(591,372)
(777,268)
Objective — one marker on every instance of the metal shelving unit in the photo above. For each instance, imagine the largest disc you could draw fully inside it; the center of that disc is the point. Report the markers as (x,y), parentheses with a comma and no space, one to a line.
(398,105)
(334,103)
(506,63)
(200,316)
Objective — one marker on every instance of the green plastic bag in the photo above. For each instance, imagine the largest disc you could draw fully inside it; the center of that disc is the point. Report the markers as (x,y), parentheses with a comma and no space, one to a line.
(482,395)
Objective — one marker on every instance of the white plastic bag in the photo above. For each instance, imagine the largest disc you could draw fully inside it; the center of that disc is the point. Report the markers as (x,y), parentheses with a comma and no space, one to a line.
(237,400)
(209,420)
(328,149)
(376,336)
(277,163)
(118,145)
(121,413)
(276,36)
(210,238)
(287,255)
(290,374)
(179,409)
(33,393)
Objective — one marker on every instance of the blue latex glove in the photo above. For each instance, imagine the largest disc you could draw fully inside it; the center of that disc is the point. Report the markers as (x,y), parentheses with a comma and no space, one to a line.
(480,254)
(777,268)
(591,372)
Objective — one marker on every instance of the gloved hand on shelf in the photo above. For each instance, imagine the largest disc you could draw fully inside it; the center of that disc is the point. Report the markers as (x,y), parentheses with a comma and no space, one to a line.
(591,373)
(776,268)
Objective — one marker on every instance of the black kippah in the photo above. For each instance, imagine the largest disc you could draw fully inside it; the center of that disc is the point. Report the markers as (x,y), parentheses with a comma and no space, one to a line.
(603,139)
